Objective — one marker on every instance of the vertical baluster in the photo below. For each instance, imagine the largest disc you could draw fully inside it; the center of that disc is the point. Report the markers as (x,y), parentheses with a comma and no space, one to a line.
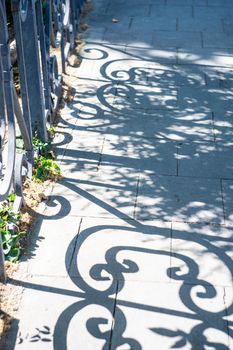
(43,53)
(25,25)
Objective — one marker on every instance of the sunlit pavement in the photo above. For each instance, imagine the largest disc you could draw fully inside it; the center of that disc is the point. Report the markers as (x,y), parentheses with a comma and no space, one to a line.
(134,250)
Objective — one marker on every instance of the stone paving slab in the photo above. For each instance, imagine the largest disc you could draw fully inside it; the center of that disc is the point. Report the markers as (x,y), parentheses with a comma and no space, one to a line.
(174,125)
(129,96)
(217,40)
(176,198)
(205,160)
(164,315)
(227,188)
(208,57)
(61,306)
(164,55)
(202,244)
(129,153)
(171,11)
(177,39)
(196,25)
(129,250)
(57,231)
(89,197)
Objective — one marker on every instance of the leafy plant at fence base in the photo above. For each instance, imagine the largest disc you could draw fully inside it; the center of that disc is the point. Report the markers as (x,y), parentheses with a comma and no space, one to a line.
(9,229)
(45,168)
(44,165)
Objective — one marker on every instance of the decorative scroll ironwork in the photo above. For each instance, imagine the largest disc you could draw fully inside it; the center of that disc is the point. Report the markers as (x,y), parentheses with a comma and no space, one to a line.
(39,25)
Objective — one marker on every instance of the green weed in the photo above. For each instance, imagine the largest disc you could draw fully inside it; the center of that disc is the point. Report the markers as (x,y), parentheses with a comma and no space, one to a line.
(44,165)
(9,230)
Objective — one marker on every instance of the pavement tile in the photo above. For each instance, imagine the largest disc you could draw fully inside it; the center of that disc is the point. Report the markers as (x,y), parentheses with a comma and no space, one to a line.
(201,255)
(148,24)
(217,40)
(164,314)
(208,57)
(64,312)
(133,96)
(188,40)
(93,94)
(176,75)
(205,99)
(171,11)
(127,10)
(55,231)
(186,24)
(107,193)
(227,188)
(174,198)
(147,154)
(128,37)
(214,12)
(187,2)
(128,251)
(159,124)
(223,126)
(164,55)
(205,160)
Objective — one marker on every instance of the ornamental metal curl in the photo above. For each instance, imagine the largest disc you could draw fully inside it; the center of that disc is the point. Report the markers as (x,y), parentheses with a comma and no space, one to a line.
(39,25)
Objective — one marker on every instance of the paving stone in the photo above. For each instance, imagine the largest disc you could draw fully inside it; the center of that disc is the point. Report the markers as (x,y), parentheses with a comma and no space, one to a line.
(99,61)
(174,40)
(201,255)
(128,38)
(83,152)
(147,154)
(223,126)
(164,55)
(174,125)
(214,12)
(205,99)
(133,96)
(193,100)
(220,100)
(220,3)
(127,10)
(148,24)
(186,24)
(179,199)
(176,76)
(63,315)
(227,187)
(217,40)
(227,26)
(170,11)
(52,231)
(128,251)
(205,160)
(93,93)
(164,314)
(187,2)
(209,57)
(107,193)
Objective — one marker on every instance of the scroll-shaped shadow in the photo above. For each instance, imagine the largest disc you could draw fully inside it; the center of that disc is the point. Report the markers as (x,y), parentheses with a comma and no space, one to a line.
(117,272)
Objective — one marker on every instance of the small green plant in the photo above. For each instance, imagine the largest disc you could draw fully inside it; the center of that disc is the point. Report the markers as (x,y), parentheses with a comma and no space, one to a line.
(45,168)
(9,229)
(52,131)
(44,165)
(41,147)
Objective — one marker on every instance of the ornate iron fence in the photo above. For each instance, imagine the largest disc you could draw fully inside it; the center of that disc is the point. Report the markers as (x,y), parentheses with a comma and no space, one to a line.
(40,28)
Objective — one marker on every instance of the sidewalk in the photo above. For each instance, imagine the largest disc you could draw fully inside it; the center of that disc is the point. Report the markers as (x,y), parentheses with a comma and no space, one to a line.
(134,249)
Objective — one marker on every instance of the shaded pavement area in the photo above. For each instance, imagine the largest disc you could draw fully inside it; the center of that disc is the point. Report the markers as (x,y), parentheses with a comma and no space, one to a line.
(134,249)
